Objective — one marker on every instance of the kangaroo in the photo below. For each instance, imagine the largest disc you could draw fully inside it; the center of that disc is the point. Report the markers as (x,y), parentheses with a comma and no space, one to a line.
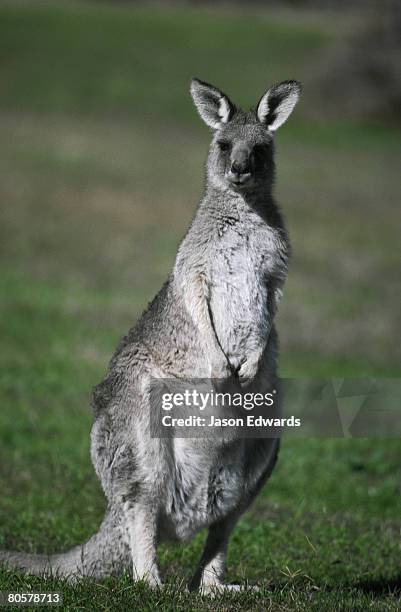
(213,318)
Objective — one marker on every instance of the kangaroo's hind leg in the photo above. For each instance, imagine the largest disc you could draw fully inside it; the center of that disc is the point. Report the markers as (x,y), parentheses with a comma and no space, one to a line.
(141,522)
(210,572)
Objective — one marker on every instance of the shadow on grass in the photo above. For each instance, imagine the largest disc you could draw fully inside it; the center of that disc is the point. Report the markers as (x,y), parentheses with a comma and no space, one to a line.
(380,586)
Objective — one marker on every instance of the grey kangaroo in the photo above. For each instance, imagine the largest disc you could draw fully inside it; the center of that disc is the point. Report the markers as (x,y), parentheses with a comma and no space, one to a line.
(213,318)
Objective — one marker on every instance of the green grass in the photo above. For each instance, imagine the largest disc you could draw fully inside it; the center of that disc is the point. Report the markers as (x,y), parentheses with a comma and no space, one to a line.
(101,157)
(96,58)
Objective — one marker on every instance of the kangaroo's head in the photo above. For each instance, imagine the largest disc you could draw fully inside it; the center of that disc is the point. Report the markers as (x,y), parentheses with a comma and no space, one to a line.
(241,152)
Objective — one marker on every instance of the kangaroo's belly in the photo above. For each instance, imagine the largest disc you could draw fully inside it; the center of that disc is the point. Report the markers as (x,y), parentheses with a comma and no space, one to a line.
(211,483)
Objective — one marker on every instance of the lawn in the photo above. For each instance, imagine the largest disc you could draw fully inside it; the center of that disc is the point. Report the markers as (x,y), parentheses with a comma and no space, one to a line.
(101,161)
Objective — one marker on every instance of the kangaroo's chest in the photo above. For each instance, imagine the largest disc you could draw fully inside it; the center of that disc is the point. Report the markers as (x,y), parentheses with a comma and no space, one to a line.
(244,259)
(243,274)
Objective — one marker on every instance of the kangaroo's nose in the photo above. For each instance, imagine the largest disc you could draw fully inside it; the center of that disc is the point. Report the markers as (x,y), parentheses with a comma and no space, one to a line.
(240,171)
(240,166)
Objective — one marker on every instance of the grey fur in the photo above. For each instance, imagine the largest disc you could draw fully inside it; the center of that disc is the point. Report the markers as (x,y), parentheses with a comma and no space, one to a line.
(213,318)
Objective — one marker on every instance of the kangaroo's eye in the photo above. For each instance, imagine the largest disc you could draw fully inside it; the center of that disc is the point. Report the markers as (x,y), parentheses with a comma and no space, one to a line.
(224,145)
(261,150)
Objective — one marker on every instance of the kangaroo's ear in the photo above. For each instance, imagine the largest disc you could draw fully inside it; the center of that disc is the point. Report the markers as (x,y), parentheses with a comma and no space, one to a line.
(277,104)
(214,107)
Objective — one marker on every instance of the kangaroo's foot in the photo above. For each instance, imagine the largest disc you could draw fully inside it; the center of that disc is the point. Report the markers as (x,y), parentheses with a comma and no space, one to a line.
(215,589)
(218,587)
(151,579)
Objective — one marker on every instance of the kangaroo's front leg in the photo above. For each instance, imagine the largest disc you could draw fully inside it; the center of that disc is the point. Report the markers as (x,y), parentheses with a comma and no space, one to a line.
(251,364)
(210,572)
(142,528)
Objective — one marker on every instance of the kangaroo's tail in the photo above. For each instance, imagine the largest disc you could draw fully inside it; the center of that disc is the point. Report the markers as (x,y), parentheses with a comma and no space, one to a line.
(105,554)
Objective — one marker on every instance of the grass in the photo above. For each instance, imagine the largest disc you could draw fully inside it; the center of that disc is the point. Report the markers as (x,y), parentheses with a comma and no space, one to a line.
(101,155)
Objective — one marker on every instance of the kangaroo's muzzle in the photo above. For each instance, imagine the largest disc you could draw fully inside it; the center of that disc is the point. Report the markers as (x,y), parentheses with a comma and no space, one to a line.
(241,166)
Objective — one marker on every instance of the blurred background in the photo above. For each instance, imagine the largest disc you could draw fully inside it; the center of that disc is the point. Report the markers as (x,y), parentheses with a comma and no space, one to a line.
(101,161)
(102,166)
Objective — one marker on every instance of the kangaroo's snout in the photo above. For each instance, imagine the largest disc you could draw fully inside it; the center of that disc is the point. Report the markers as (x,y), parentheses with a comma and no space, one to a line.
(241,168)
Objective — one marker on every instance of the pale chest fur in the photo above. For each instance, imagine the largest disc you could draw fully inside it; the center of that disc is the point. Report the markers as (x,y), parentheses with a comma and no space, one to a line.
(247,268)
